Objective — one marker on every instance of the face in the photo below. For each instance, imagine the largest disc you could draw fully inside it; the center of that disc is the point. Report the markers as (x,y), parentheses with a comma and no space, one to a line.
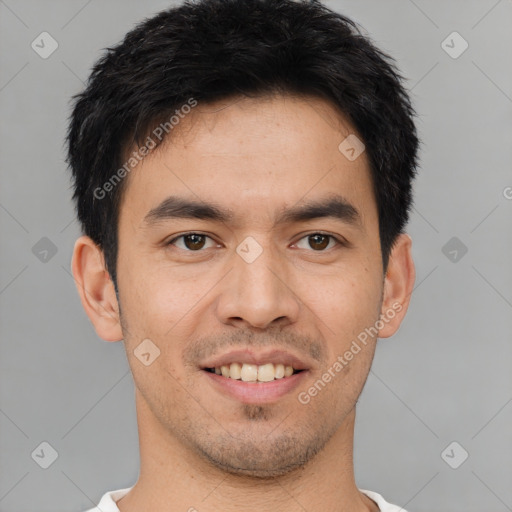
(278,264)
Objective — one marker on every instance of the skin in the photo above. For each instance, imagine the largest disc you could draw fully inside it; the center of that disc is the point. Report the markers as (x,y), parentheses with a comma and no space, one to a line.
(198,447)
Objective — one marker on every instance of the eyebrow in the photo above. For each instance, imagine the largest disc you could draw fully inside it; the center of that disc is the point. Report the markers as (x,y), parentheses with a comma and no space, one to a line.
(174,207)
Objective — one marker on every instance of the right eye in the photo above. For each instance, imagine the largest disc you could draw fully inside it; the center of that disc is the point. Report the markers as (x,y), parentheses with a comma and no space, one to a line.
(193,242)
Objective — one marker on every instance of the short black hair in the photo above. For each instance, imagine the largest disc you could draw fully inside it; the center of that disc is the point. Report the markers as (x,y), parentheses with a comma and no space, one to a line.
(210,50)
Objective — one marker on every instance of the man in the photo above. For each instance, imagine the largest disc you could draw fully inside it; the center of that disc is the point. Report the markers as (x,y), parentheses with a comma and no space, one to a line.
(242,174)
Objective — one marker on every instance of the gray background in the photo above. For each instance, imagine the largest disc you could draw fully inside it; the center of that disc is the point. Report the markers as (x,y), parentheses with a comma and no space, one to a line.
(445,376)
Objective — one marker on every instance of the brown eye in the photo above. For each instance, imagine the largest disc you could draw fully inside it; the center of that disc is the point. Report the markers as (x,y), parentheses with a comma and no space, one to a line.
(319,241)
(192,242)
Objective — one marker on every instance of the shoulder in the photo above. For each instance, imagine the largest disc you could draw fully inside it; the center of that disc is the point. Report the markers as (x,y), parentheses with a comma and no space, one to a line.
(108,501)
(384,506)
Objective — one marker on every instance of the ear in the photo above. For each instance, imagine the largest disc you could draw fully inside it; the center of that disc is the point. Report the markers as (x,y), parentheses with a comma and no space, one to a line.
(96,289)
(398,286)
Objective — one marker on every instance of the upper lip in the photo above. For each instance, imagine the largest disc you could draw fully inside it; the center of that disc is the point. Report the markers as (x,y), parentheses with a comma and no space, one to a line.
(259,358)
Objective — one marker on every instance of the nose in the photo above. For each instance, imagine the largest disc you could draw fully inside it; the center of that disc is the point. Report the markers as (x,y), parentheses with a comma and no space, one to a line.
(258,293)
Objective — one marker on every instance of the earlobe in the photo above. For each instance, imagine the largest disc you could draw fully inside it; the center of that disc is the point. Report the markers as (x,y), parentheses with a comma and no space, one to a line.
(96,289)
(398,286)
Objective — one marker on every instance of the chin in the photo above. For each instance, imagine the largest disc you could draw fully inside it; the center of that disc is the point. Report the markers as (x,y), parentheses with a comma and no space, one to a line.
(245,459)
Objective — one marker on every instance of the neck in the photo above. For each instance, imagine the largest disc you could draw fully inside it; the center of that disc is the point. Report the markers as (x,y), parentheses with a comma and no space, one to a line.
(174,477)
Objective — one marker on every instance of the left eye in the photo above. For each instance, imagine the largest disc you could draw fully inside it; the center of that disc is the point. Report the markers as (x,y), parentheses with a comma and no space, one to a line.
(319,241)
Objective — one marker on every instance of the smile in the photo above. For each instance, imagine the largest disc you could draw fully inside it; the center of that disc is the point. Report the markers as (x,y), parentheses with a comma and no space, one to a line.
(254,373)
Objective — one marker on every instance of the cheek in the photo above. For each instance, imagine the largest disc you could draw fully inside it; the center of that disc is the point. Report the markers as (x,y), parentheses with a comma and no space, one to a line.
(157,298)
(163,305)
(345,302)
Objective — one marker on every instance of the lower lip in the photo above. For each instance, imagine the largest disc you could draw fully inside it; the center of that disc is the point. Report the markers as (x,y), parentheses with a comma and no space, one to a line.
(256,392)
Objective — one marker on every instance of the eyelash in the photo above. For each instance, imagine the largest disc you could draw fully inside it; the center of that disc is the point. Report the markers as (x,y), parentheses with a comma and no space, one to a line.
(339,241)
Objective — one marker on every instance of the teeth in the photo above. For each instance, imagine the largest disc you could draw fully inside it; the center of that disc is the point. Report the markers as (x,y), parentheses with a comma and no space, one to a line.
(249,372)
(266,372)
(254,373)
(235,371)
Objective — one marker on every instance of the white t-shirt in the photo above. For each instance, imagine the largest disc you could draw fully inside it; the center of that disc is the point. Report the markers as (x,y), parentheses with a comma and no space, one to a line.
(109,499)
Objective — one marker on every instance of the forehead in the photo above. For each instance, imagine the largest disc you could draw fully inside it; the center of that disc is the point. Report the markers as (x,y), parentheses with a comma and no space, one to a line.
(254,155)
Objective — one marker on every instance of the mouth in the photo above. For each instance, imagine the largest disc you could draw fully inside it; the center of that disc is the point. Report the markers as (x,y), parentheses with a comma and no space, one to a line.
(255,378)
